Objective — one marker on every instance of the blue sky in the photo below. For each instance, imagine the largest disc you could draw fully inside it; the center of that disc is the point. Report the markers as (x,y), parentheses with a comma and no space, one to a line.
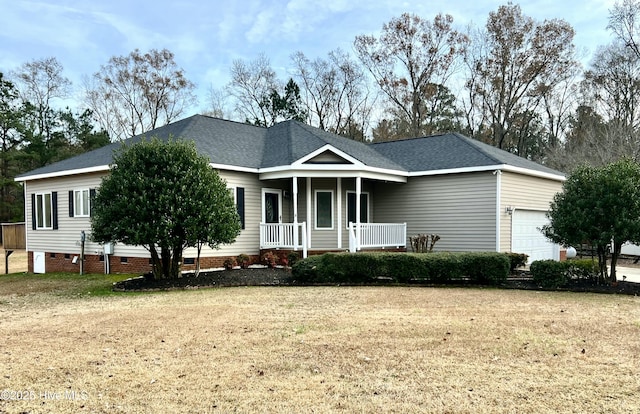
(206,36)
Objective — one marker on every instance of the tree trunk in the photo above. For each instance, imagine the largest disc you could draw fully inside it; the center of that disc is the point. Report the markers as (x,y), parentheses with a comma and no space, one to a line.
(617,248)
(602,263)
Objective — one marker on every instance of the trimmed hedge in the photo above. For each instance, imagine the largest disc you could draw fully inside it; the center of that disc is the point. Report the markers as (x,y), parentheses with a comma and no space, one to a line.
(552,274)
(371,268)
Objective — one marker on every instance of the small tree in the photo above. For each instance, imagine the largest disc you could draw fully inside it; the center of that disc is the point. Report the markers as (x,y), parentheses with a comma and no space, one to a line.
(164,197)
(600,206)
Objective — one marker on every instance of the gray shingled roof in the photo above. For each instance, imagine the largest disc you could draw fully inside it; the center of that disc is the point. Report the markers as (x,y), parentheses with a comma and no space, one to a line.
(243,145)
(451,151)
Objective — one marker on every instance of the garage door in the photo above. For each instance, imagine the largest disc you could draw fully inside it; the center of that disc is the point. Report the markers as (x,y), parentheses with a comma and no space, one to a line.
(527,238)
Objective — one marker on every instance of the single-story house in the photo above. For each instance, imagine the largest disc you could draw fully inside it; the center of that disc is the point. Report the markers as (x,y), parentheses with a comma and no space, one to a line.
(298,188)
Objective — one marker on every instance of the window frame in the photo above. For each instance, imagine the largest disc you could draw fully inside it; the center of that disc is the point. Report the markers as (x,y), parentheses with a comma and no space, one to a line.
(331,212)
(80,205)
(39,206)
(368,213)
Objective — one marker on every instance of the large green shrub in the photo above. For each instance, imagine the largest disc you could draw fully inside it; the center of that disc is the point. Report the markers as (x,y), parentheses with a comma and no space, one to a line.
(584,269)
(516,260)
(550,273)
(553,274)
(484,268)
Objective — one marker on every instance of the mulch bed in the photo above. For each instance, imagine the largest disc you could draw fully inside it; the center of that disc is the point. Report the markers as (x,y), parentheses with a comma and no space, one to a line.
(282,277)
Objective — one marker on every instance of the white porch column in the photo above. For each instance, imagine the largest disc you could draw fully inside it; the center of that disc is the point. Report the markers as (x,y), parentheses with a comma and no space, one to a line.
(295,212)
(339,209)
(309,218)
(358,191)
(498,175)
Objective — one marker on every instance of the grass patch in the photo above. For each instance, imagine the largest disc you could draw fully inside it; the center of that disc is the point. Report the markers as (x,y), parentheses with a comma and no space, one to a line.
(59,284)
(325,349)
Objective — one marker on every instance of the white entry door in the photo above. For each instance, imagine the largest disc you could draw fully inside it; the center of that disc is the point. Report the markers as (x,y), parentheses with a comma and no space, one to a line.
(527,238)
(38,262)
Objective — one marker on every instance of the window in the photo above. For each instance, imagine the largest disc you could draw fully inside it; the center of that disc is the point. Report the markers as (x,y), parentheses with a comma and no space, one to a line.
(44,211)
(81,203)
(324,209)
(351,207)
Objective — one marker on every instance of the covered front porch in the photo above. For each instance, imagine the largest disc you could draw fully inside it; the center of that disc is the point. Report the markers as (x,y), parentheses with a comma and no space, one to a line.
(317,213)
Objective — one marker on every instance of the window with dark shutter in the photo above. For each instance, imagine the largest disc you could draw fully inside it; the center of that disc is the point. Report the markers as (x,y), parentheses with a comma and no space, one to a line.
(71,203)
(240,204)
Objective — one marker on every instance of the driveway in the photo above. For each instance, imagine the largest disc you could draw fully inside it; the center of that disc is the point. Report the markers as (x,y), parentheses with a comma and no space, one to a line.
(632,273)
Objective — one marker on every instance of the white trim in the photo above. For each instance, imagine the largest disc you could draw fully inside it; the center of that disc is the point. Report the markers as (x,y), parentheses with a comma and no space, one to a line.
(324,148)
(498,175)
(75,203)
(328,172)
(43,194)
(503,167)
(309,218)
(274,191)
(339,210)
(234,168)
(331,209)
(63,173)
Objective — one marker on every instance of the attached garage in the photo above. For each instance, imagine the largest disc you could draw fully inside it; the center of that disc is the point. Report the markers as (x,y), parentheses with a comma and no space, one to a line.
(527,238)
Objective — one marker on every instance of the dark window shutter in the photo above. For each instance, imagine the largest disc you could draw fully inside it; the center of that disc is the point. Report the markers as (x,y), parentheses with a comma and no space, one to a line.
(33,211)
(240,204)
(70,203)
(92,196)
(54,209)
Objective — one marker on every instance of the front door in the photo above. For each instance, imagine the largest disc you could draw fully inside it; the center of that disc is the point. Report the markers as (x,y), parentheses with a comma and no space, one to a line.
(271,206)
(271,214)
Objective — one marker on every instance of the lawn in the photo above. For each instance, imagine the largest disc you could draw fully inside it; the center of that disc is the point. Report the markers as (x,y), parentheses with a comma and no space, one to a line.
(313,349)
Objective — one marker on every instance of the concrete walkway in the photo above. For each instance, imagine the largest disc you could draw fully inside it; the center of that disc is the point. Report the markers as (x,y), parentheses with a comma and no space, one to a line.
(632,274)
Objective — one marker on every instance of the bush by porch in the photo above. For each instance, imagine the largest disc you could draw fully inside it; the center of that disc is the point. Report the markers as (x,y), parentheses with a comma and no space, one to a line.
(481,268)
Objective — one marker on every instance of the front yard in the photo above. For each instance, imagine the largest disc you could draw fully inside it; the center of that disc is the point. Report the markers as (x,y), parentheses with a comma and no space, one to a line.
(67,346)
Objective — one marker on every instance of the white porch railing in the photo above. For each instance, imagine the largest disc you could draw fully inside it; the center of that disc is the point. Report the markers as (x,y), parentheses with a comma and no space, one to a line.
(284,236)
(377,235)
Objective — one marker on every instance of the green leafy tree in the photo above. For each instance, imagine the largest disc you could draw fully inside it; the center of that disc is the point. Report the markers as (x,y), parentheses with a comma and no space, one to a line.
(11,138)
(599,206)
(282,107)
(164,197)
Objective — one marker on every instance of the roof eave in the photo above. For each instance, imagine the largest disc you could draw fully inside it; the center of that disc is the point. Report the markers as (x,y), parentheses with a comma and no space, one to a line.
(64,173)
(501,167)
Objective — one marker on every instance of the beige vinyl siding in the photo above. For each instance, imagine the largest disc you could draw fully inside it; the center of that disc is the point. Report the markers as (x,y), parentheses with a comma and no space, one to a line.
(324,238)
(66,238)
(248,242)
(523,192)
(459,207)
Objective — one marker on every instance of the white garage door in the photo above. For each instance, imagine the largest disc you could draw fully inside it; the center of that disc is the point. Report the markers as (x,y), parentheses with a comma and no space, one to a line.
(527,238)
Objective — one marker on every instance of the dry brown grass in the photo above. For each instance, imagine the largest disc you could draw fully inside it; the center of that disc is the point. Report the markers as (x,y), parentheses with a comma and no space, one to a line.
(17,261)
(323,349)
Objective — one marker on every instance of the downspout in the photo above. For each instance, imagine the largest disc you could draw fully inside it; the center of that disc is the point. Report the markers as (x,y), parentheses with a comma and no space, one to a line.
(498,174)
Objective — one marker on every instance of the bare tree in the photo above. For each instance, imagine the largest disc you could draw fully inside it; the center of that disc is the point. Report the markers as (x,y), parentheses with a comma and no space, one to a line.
(410,56)
(217,103)
(136,93)
(40,83)
(336,93)
(517,64)
(613,80)
(250,84)
(624,21)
